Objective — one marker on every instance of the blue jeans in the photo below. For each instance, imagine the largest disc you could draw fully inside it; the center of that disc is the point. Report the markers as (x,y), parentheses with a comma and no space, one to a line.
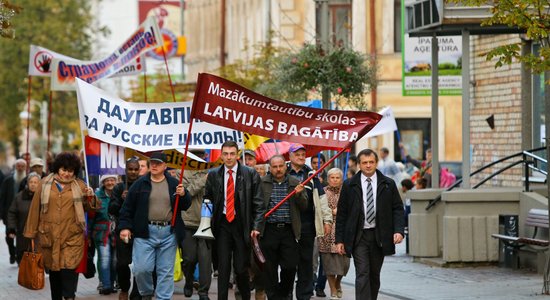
(159,250)
(106,265)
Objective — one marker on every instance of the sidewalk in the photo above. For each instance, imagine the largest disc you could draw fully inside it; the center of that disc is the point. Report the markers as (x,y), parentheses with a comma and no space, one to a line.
(401,279)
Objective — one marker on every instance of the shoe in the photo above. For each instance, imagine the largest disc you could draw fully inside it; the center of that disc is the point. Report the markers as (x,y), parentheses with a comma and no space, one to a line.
(339,293)
(123,296)
(188,291)
(196,285)
(146,297)
(334,297)
(100,286)
(107,291)
(320,293)
(12,259)
(204,297)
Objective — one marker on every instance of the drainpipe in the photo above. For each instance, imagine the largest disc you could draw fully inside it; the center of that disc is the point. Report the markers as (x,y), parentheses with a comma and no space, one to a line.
(222,36)
(372,46)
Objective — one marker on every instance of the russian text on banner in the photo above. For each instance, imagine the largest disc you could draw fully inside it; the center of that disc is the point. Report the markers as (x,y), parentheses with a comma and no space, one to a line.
(40,63)
(145,126)
(145,38)
(220,101)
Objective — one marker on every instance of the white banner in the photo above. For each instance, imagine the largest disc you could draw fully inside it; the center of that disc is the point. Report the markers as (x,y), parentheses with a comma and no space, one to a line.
(145,38)
(40,62)
(386,124)
(145,126)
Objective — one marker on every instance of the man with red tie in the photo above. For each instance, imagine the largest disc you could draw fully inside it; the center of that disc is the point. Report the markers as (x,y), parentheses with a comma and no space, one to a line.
(236,195)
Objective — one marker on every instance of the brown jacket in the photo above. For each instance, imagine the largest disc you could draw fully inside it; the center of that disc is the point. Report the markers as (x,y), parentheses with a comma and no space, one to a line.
(60,237)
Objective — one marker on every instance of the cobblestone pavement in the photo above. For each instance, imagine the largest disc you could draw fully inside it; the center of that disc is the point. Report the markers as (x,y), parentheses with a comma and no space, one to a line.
(401,279)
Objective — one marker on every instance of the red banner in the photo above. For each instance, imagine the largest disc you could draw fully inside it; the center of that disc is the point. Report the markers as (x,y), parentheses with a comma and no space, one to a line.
(222,102)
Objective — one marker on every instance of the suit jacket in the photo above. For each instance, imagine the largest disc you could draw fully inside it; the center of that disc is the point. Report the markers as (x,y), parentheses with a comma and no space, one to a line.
(248,197)
(298,202)
(350,216)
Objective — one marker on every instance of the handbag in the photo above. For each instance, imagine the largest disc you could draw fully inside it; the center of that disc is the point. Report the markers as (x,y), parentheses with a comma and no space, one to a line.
(178,272)
(31,270)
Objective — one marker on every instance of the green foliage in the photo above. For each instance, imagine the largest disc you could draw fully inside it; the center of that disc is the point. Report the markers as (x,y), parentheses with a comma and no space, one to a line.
(7,12)
(347,74)
(259,73)
(292,76)
(63,26)
(533,17)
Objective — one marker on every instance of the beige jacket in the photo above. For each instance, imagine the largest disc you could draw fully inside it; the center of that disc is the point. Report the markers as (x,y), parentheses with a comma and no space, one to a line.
(323,213)
(60,237)
(194,182)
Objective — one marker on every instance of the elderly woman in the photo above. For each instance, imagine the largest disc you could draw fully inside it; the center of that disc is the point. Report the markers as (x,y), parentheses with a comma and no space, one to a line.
(335,265)
(56,217)
(17,214)
(104,239)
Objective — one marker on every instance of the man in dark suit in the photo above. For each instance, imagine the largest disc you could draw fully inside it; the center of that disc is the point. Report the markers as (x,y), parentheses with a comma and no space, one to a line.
(236,195)
(369,222)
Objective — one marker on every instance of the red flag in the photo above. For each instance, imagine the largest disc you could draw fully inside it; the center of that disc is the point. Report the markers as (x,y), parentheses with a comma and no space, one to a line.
(222,102)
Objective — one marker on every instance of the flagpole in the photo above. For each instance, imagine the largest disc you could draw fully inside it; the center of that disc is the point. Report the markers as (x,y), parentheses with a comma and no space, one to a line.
(169,77)
(28,116)
(49,124)
(145,84)
(192,118)
(326,164)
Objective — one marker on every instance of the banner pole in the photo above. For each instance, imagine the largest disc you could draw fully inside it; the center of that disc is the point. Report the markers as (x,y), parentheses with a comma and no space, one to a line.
(145,84)
(305,181)
(192,117)
(169,77)
(49,124)
(28,116)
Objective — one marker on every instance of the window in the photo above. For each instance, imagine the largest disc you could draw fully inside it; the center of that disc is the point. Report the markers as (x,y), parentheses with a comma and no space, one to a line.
(339,22)
(538,106)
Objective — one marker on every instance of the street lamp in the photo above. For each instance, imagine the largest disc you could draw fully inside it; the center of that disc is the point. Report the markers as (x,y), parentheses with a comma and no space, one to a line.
(25,116)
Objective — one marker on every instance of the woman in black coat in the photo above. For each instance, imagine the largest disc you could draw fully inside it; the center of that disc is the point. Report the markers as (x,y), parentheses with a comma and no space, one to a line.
(17,214)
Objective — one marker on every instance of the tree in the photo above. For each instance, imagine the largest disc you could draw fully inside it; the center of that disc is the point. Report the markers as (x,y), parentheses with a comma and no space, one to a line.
(293,76)
(7,11)
(347,74)
(63,26)
(531,16)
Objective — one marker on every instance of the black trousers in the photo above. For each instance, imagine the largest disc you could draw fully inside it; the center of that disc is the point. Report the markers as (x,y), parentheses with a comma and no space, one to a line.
(63,283)
(280,249)
(11,245)
(196,250)
(368,259)
(124,275)
(230,244)
(304,286)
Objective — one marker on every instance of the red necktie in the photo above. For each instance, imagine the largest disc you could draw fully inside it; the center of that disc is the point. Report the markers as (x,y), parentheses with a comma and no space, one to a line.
(230,197)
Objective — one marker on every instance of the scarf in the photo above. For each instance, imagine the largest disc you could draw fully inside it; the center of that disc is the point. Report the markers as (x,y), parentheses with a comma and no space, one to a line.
(77,196)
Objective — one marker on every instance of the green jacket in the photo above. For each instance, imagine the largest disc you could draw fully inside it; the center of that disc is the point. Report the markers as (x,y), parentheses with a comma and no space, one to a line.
(298,202)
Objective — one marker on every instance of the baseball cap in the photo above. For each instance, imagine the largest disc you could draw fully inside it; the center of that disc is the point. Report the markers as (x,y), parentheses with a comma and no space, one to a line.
(250,152)
(295,147)
(37,162)
(158,156)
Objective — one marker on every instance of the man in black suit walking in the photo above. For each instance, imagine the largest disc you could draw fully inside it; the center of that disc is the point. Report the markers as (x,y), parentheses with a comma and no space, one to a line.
(369,222)
(236,195)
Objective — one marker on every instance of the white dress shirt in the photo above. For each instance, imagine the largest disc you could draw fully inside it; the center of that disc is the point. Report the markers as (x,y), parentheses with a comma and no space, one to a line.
(225,178)
(364,183)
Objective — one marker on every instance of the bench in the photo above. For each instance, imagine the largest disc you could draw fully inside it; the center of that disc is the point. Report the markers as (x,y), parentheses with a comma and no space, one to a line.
(536,218)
